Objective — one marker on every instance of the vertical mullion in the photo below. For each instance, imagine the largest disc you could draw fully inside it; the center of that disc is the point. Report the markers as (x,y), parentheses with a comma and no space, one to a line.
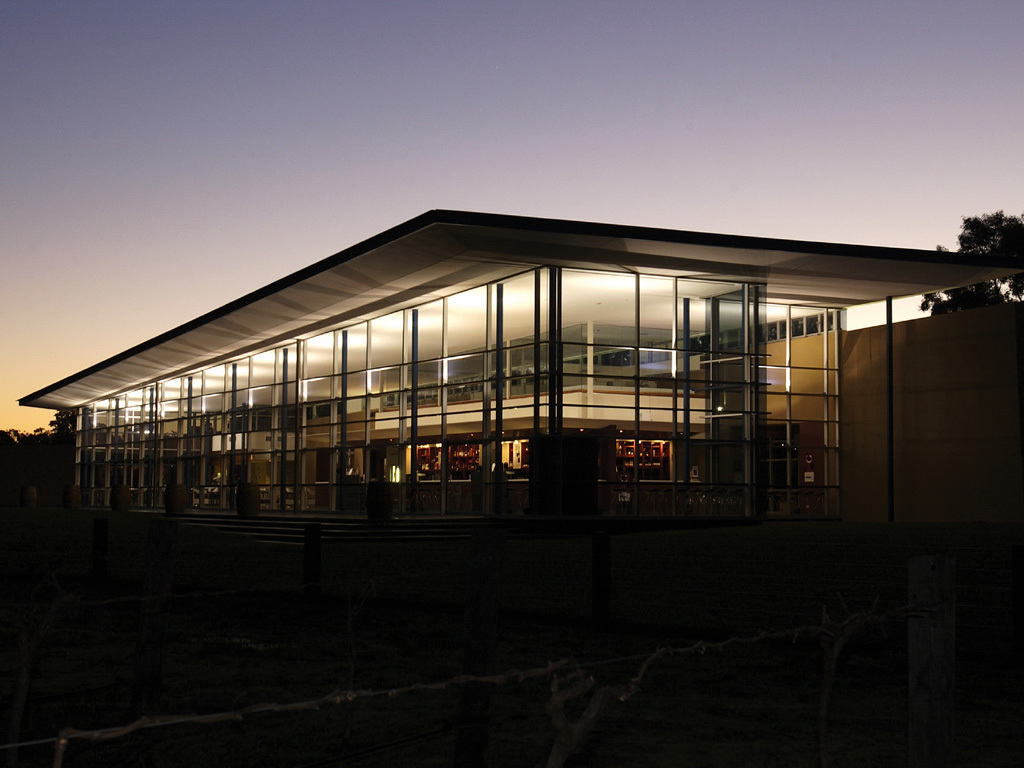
(746,356)
(283,426)
(343,421)
(687,445)
(499,394)
(536,350)
(836,453)
(414,344)
(791,453)
(188,441)
(444,407)
(636,394)
(300,427)
(153,445)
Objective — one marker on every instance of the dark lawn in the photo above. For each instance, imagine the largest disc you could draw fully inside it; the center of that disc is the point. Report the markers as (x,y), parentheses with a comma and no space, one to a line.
(750,705)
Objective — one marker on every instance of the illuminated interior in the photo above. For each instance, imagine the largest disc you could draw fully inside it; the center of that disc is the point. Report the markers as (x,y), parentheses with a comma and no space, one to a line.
(702,400)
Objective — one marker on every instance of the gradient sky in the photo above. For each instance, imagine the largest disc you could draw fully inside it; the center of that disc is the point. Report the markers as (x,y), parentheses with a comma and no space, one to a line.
(158,160)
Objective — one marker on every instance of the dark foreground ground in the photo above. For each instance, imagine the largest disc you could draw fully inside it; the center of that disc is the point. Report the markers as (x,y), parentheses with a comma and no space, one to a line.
(241,632)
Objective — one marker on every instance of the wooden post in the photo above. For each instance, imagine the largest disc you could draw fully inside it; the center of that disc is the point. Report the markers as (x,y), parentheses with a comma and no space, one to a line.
(481,630)
(100,539)
(1017,576)
(311,559)
(931,636)
(601,576)
(72,497)
(149,653)
(28,497)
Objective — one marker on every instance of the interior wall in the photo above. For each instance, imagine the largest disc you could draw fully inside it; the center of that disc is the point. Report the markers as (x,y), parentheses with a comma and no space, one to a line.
(957,419)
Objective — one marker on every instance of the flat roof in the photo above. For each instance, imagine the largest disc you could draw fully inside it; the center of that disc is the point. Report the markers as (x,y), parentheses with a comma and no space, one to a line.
(442,252)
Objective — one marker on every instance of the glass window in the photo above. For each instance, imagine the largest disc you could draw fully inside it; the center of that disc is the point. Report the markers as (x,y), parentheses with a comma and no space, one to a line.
(430,328)
(260,396)
(355,407)
(465,368)
(316,389)
(518,303)
(262,369)
(692,318)
(727,312)
(240,372)
(169,409)
(352,340)
(574,358)
(169,390)
(213,380)
(656,362)
(386,340)
(319,352)
(386,380)
(458,395)
(807,351)
(428,398)
(808,381)
(775,334)
(467,321)
(356,384)
(614,361)
(428,374)
(286,363)
(602,303)
(656,312)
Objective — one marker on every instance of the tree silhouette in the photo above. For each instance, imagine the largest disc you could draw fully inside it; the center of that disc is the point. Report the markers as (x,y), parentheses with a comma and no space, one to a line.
(990,235)
(61,432)
(62,428)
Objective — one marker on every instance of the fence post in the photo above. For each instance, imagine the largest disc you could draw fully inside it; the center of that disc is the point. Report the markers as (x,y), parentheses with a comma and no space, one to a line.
(931,636)
(601,576)
(481,630)
(149,655)
(311,559)
(1018,604)
(100,540)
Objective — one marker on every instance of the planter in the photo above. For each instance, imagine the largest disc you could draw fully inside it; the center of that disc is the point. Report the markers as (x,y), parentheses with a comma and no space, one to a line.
(175,495)
(72,497)
(28,496)
(120,498)
(247,499)
(379,502)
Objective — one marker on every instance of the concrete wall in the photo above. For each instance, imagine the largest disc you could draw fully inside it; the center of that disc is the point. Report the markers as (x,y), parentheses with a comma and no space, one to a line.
(957,422)
(48,467)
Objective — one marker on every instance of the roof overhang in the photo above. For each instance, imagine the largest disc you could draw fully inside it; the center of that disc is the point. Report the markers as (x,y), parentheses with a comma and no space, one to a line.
(440,253)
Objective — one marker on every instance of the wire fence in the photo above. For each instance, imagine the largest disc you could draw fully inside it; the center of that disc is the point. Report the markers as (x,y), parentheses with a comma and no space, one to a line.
(559,575)
(568,681)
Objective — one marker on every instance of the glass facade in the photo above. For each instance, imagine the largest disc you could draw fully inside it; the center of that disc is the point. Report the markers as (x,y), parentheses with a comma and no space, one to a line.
(693,398)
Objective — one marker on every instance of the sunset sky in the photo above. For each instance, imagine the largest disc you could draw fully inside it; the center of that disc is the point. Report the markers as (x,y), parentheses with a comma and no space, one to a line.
(158,160)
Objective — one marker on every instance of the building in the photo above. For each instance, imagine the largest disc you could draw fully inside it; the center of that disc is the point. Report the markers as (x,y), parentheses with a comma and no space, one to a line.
(490,364)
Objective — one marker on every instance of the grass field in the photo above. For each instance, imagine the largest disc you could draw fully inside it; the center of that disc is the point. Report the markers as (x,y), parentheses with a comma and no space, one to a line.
(265,642)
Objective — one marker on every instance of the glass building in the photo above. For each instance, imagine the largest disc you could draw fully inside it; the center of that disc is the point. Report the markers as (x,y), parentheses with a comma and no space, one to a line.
(487,364)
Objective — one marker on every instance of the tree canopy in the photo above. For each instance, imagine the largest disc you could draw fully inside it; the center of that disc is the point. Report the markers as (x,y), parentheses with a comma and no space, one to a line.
(988,235)
(60,432)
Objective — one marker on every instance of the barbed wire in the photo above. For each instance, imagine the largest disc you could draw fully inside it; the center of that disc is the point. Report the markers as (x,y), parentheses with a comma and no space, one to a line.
(75,600)
(561,685)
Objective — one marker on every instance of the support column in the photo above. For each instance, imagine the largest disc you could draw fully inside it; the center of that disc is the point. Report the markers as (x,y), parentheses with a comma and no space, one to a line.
(498,476)
(889,442)
(283,474)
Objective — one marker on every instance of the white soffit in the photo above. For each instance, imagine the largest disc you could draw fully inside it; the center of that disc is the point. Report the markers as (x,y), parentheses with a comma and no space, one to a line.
(443,252)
